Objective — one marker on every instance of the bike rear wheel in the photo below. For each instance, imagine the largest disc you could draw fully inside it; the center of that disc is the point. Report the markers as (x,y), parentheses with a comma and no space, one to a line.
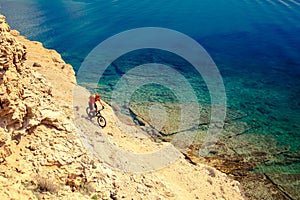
(90,113)
(101,121)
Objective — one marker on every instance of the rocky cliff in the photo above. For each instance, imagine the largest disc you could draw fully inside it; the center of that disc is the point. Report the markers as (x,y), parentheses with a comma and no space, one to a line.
(42,156)
(37,139)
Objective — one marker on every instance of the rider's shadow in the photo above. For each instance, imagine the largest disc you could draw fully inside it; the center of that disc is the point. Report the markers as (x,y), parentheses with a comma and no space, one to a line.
(92,119)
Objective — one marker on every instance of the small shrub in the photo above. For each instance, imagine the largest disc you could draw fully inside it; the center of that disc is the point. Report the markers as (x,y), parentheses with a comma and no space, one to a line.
(45,185)
(86,188)
(94,197)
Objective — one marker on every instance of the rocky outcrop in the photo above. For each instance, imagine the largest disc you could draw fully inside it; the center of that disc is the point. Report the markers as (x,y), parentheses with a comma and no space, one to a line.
(41,155)
(12,55)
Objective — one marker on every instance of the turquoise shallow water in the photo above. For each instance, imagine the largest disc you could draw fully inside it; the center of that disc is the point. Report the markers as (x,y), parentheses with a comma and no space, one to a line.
(255,45)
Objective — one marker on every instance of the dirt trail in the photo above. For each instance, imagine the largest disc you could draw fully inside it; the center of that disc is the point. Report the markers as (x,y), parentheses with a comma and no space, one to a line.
(125,147)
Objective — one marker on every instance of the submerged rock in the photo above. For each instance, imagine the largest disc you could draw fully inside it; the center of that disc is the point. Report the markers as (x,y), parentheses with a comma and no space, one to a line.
(240,150)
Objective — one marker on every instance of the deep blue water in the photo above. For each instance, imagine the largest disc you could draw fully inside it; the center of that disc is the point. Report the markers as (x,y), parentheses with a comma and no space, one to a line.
(255,44)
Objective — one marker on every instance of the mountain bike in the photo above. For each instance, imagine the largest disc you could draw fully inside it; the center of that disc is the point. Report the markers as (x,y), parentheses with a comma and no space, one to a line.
(100,119)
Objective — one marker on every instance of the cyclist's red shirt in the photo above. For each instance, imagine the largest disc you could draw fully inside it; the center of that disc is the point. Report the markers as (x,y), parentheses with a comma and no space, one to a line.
(92,100)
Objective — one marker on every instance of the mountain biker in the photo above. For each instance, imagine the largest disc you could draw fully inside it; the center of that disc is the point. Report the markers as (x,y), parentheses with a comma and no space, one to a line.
(98,102)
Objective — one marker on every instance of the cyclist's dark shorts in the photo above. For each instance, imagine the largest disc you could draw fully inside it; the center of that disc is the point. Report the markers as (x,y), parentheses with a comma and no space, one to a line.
(91,106)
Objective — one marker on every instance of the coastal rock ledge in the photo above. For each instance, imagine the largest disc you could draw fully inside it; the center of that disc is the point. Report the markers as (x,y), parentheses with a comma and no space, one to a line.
(42,156)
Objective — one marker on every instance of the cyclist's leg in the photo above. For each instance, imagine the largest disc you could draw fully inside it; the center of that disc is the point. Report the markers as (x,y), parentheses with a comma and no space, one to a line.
(95,105)
(98,104)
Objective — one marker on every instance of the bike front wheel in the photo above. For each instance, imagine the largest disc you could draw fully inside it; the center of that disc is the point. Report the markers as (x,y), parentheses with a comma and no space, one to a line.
(101,121)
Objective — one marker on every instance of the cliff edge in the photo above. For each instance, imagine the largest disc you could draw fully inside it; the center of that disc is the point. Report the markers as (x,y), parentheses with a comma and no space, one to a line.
(42,155)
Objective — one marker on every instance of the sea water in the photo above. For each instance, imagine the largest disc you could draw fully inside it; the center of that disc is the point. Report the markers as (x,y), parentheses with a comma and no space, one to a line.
(255,45)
